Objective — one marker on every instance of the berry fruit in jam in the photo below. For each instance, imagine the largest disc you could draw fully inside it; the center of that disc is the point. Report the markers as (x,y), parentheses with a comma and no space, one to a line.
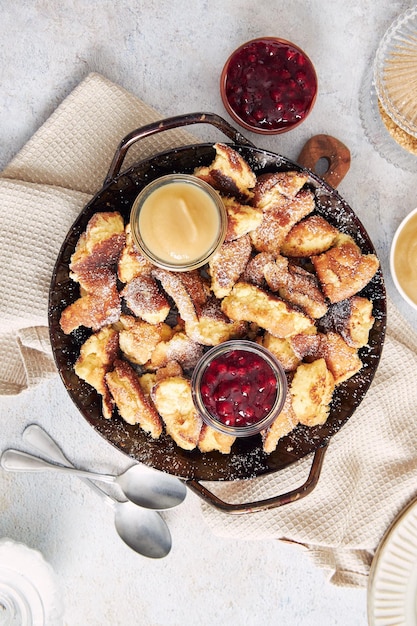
(269,85)
(238,388)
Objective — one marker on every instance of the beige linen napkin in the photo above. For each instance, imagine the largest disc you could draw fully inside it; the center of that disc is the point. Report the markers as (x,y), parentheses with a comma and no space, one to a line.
(42,191)
(370,469)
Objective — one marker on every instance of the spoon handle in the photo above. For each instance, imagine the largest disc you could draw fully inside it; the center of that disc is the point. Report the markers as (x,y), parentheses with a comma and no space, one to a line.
(42,441)
(37,437)
(18,461)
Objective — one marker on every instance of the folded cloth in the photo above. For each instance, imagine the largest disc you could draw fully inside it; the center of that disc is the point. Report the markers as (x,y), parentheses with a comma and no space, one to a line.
(42,191)
(370,469)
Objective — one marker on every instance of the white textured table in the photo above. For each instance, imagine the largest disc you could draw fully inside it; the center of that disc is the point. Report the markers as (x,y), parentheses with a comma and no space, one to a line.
(170,53)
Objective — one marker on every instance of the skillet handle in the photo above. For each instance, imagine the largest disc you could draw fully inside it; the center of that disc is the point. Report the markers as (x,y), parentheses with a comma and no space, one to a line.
(168,124)
(331,151)
(270,503)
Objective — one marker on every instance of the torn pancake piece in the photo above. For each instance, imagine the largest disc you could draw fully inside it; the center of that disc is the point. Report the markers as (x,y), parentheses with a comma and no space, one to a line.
(173,401)
(250,303)
(311,390)
(98,306)
(271,189)
(144,298)
(229,173)
(285,422)
(100,245)
(138,339)
(131,262)
(132,403)
(211,439)
(278,221)
(309,237)
(227,264)
(343,270)
(96,358)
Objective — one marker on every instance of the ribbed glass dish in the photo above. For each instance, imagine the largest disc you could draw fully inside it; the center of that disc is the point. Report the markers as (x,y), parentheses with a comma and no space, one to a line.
(395,71)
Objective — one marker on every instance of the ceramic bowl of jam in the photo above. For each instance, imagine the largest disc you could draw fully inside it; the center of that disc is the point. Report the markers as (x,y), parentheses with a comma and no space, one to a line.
(178,222)
(403,259)
(268,85)
(239,388)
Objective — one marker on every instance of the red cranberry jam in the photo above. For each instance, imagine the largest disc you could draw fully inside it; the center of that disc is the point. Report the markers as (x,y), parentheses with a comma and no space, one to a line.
(269,85)
(238,387)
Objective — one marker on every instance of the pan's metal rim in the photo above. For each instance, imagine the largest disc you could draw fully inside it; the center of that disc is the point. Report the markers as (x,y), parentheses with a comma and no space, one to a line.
(280,162)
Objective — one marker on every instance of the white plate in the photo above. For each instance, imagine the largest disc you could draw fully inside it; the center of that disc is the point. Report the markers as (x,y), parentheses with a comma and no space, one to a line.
(392,589)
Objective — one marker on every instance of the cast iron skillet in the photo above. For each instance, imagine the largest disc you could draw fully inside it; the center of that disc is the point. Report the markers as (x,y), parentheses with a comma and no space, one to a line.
(247,459)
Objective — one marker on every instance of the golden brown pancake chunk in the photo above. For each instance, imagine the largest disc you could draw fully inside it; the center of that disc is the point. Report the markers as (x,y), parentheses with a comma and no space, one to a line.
(93,266)
(278,221)
(241,218)
(311,390)
(359,323)
(131,262)
(282,349)
(342,360)
(353,319)
(99,246)
(96,358)
(170,370)
(255,268)
(146,382)
(343,270)
(307,346)
(98,307)
(271,189)
(249,303)
(297,286)
(211,439)
(138,339)
(174,285)
(213,326)
(197,287)
(173,400)
(144,298)
(309,237)
(227,265)
(229,173)
(132,403)
(281,426)
(179,348)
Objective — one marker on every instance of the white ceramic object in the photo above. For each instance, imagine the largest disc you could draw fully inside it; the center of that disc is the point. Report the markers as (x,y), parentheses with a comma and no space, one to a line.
(29,593)
(394,244)
(392,589)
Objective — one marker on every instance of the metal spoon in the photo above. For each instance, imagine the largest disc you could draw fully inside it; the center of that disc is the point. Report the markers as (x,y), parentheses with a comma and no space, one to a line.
(142,485)
(142,530)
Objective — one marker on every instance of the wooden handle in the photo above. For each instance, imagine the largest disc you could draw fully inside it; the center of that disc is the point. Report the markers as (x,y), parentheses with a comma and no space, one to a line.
(332,151)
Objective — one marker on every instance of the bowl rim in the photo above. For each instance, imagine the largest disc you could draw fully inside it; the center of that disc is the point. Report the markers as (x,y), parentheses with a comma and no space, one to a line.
(167,179)
(394,242)
(232,112)
(244,345)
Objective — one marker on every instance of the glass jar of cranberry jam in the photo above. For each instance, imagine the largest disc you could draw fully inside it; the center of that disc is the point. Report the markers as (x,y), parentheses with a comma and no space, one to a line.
(239,388)
(268,85)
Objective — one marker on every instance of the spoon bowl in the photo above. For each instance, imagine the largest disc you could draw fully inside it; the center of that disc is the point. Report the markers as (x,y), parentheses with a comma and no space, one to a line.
(142,530)
(144,486)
